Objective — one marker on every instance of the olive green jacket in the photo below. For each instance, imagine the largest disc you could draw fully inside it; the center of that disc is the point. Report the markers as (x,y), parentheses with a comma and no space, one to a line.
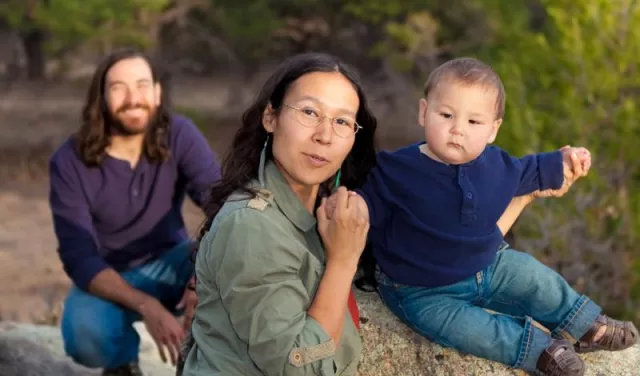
(258,269)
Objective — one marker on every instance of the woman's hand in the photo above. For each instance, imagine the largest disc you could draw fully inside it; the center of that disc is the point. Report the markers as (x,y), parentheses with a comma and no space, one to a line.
(344,228)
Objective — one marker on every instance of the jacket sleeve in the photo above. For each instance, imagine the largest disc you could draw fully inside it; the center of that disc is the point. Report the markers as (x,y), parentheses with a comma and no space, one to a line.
(73,225)
(265,298)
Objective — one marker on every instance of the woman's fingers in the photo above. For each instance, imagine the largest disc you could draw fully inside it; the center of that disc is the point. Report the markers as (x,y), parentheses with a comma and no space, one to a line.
(342,200)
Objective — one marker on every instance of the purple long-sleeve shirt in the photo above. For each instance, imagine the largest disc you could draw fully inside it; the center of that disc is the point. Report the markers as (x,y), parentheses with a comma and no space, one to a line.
(119,217)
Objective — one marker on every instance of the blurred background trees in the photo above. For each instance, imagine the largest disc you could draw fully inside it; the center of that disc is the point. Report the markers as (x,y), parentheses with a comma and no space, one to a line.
(570,68)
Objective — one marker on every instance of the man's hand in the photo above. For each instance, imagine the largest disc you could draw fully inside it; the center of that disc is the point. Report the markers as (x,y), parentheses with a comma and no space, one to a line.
(164,328)
(188,303)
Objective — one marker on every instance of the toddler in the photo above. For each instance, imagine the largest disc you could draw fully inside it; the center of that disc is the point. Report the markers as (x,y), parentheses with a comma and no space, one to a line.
(442,264)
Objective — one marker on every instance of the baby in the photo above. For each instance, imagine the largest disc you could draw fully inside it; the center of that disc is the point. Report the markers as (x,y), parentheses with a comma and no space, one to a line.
(443,266)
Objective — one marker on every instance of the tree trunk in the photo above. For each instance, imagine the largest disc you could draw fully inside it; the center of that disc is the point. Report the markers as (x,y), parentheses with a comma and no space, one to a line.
(33,43)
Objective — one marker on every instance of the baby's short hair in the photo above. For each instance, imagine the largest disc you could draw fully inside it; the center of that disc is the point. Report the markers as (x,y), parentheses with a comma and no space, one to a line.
(468,71)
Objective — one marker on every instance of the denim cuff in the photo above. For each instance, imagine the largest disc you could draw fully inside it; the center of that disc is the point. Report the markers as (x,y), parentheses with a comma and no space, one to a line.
(578,321)
(534,342)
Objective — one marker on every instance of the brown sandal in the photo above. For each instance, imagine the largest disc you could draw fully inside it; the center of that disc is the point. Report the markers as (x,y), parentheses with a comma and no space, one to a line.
(618,335)
(554,362)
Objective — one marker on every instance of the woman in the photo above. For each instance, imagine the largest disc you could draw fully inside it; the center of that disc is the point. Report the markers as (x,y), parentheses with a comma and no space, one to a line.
(273,280)
(272,289)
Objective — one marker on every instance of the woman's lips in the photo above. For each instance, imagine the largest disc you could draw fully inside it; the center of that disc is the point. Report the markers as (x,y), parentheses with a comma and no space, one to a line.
(316,160)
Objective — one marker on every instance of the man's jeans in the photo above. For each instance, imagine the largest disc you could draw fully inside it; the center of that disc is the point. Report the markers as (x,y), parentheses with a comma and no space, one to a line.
(98,333)
(517,288)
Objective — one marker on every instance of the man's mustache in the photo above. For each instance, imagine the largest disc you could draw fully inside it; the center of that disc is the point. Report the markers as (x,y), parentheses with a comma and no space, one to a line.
(127,107)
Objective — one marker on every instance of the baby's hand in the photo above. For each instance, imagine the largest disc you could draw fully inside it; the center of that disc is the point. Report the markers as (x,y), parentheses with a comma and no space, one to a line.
(583,155)
(331,203)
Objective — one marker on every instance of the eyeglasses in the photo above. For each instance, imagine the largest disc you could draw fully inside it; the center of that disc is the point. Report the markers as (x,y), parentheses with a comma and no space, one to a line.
(344,127)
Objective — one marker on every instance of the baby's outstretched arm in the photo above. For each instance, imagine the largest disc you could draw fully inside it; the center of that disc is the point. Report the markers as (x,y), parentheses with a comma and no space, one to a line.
(580,162)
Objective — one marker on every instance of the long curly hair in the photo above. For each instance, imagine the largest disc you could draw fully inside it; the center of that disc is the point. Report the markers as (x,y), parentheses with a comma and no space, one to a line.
(93,137)
(240,166)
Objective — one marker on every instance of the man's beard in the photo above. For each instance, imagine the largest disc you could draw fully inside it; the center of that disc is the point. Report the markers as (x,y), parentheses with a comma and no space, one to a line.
(120,125)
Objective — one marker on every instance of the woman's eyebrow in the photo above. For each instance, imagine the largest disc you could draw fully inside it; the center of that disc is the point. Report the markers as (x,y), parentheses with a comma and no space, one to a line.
(322,104)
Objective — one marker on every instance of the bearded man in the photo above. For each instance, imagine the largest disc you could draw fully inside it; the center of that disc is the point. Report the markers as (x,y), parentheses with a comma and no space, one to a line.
(116,192)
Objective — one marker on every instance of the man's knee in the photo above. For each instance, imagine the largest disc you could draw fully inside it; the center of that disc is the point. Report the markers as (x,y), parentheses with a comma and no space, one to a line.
(99,334)
(88,345)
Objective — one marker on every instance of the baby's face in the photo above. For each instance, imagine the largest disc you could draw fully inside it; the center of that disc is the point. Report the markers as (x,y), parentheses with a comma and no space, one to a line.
(459,121)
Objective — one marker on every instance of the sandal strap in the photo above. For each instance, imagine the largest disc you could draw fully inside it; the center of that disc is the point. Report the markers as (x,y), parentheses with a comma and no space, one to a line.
(600,321)
(566,363)
(618,335)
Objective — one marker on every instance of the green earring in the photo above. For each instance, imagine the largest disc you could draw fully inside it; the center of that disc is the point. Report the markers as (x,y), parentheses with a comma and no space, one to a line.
(337,183)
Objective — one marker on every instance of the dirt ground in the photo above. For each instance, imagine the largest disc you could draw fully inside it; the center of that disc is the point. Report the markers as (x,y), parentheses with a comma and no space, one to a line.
(33,120)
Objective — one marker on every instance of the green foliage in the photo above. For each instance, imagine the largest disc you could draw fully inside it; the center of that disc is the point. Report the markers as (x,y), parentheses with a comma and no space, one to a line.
(408,40)
(246,26)
(577,81)
(416,32)
(378,11)
(71,22)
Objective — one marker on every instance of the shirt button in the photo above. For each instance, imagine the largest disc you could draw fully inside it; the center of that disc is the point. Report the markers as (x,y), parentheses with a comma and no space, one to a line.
(469,195)
(135,192)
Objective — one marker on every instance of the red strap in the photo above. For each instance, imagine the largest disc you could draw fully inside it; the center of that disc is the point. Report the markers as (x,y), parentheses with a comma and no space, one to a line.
(353,309)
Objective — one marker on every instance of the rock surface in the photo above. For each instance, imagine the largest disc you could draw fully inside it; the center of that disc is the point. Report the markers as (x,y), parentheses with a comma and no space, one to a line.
(37,350)
(390,349)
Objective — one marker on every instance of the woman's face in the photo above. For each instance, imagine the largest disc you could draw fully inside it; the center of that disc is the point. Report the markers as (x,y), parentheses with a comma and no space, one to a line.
(308,155)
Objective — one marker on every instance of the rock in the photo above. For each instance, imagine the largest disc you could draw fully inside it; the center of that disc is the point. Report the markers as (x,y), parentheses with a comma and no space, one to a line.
(37,350)
(390,348)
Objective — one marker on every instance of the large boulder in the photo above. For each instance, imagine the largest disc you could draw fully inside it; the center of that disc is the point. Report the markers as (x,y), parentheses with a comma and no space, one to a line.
(37,350)
(390,349)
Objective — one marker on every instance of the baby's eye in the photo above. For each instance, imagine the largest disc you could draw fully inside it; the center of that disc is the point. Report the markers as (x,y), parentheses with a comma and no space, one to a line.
(474,122)
(446,115)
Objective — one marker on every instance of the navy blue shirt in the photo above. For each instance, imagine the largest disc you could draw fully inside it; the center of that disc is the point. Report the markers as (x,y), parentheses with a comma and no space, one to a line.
(434,224)
(119,217)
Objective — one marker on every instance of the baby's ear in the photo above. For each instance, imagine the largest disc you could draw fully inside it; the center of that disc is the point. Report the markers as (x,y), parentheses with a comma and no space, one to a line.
(422,111)
(494,132)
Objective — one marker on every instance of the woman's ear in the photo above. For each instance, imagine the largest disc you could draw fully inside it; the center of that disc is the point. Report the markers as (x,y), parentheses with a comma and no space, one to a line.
(269,119)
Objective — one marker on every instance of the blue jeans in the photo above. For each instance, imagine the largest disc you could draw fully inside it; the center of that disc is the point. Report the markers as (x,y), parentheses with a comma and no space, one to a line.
(99,333)
(517,288)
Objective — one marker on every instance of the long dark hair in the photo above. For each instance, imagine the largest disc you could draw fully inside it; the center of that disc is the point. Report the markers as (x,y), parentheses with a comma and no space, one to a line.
(240,165)
(93,137)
